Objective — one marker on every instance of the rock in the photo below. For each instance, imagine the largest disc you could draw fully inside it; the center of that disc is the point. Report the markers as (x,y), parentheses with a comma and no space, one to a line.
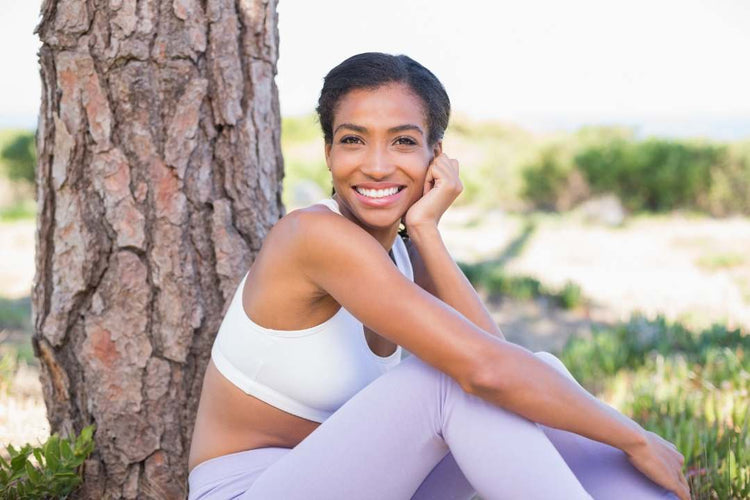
(605,209)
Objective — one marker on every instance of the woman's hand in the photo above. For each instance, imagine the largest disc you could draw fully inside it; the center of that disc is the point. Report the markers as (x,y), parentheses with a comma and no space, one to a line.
(441,187)
(660,461)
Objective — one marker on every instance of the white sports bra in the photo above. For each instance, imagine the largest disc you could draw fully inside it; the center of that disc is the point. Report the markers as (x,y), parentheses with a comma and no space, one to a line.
(311,372)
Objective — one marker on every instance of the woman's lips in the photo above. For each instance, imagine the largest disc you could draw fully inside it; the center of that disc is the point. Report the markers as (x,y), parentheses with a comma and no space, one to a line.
(378,202)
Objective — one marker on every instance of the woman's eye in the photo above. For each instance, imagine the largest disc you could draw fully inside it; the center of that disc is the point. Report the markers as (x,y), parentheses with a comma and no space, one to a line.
(405,141)
(349,139)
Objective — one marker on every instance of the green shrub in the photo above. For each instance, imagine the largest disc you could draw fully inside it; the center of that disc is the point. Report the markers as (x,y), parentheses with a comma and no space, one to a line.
(655,174)
(19,157)
(730,182)
(627,345)
(545,179)
(56,473)
(491,278)
(15,313)
(570,296)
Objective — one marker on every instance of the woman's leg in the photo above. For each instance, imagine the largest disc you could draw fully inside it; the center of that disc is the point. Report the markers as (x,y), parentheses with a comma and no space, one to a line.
(230,475)
(445,482)
(603,470)
(385,441)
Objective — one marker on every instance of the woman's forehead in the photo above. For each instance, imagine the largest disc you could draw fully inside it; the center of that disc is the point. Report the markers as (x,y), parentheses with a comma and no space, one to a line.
(386,106)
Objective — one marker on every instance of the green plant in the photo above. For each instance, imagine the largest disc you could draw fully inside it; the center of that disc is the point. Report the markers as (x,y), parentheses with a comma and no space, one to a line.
(56,472)
(8,366)
(22,210)
(628,345)
(704,414)
(690,387)
(19,156)
(654,175)
(570,296)
(730,182)
(545,179)
(15,313)
(491,278)
(721,261)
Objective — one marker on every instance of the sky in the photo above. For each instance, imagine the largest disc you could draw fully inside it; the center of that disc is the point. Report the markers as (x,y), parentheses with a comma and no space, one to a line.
(675,66)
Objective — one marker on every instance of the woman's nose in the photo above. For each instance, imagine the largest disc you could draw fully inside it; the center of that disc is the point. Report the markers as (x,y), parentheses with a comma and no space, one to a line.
(377,164)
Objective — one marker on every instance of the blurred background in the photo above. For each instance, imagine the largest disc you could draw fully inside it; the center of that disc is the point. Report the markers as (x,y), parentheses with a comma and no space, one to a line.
(605,154)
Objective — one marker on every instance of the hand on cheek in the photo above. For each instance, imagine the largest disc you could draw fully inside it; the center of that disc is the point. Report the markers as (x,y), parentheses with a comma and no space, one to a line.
(440,189)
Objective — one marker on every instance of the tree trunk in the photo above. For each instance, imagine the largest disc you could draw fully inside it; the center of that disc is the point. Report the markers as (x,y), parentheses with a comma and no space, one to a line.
(159,174)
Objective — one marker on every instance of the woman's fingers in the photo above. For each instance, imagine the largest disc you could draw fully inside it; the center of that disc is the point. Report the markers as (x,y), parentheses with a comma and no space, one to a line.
(447,169)
(684,492)
(429,179)
(661,463)
(682,487)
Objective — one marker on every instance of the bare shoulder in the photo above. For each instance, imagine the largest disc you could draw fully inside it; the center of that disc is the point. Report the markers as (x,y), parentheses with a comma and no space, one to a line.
(316,232)
(279,282)
(329,250)
(309,240)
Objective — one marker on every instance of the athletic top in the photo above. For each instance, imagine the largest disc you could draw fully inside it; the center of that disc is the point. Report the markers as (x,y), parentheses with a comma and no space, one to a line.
(311,372)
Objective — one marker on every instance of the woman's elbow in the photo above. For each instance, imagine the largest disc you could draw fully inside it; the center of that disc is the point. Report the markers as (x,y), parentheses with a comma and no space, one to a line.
(501,370)
(488,376)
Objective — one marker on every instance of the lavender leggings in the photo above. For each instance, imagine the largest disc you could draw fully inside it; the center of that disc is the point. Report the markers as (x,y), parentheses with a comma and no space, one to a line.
(415,433)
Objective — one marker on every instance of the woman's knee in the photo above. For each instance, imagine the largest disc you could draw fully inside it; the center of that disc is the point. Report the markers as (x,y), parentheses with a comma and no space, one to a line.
(554,362)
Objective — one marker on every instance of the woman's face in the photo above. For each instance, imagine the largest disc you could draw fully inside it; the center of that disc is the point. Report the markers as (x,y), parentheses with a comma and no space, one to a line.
(379,154)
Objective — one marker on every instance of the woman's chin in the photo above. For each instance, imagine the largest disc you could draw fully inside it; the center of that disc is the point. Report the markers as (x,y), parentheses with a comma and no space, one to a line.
(379,222)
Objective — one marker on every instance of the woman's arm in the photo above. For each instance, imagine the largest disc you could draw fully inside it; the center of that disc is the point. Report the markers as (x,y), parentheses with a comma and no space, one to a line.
(345,262)
(437,272)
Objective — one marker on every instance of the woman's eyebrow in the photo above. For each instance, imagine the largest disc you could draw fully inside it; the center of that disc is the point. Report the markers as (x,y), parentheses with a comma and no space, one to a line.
(363,130)
(402,128)
(356,128)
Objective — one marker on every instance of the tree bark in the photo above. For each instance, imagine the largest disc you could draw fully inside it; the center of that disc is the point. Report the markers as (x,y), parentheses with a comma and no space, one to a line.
(159,174)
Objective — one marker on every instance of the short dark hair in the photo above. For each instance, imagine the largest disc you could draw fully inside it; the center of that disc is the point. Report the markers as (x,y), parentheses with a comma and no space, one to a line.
(370,70)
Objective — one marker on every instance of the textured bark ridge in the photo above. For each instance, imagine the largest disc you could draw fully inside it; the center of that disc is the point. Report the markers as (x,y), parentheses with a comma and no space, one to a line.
(159,175)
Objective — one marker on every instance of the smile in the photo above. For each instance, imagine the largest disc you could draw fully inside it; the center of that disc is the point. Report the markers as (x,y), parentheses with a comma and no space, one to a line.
(378,197)
(377,193)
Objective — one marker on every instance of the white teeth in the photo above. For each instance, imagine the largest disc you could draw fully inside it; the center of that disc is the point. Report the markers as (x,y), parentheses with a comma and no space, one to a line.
(377,193)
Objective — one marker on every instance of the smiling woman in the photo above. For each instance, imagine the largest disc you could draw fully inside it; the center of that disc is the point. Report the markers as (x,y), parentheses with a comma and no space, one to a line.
(379,155)
(306,395)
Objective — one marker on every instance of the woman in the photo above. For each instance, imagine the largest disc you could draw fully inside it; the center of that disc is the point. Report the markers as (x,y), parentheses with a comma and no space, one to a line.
(305,396)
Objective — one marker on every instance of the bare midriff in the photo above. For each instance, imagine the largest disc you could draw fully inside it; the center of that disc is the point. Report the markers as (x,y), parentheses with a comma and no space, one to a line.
(230,421)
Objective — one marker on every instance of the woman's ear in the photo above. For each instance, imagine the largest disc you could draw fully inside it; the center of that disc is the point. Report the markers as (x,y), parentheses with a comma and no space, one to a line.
(328,155)
(437,149)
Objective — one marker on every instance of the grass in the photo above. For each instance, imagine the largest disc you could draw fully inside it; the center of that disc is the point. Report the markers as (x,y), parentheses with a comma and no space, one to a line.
(491,278)
(717,261)
(690,387)
(23,210)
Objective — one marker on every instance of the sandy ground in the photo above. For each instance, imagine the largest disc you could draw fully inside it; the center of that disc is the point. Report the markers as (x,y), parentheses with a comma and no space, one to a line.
(693,269)
(671,265)
(16,258)
(23,416)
